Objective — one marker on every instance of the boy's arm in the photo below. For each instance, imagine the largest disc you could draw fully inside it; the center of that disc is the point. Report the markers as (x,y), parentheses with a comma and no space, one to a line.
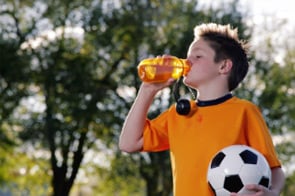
(278,180)
(131,138)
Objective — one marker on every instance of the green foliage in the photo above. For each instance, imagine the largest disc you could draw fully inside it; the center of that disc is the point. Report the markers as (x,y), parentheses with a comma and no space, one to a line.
(123,178)
(21,174)
(290,186)
(12,84)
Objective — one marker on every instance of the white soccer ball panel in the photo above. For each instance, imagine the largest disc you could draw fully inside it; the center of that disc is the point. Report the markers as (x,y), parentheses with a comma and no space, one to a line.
(216,177)
(250,174)
(222,192)
(264,167)
(232,164)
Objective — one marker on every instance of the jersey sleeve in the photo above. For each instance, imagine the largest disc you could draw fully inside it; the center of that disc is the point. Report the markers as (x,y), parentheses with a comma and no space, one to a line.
(259,136)
(155,134)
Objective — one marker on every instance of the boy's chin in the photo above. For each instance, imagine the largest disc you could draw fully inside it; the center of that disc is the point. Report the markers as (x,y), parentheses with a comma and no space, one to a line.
(189,83)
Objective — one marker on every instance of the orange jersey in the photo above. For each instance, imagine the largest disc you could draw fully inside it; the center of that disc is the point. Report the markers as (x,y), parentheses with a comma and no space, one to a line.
(194,139)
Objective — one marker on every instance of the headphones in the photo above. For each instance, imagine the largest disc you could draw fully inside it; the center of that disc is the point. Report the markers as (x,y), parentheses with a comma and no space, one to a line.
(183,106)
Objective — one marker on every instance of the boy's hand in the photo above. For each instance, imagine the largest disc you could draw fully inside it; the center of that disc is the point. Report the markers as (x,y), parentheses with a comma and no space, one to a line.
(260,191)
(155,87)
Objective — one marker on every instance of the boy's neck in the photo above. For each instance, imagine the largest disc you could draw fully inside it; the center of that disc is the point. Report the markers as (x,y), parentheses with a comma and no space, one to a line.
(211,95)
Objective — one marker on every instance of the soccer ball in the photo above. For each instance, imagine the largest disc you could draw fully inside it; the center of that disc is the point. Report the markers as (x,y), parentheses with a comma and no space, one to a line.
(235,166)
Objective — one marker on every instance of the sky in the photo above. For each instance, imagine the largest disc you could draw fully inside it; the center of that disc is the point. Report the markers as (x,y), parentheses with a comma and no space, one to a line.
(271,8)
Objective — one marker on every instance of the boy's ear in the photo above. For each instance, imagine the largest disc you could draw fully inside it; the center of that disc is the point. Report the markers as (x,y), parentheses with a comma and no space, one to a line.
(226,66)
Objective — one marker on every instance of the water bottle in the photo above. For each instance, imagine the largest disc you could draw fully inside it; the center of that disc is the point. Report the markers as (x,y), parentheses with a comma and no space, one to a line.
(160,69)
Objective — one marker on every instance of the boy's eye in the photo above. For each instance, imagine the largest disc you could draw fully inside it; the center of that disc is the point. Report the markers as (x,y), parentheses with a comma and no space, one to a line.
(198,56)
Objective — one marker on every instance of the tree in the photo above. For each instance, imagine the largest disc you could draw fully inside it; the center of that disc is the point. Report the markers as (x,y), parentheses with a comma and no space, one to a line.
(67,74)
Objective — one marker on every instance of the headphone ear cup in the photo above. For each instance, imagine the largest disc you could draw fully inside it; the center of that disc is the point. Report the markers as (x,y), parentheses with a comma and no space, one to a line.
(183,107)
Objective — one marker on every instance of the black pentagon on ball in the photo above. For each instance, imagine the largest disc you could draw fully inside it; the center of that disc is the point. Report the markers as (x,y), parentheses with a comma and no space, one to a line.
(233,183)
(216,161)
(264,181)
(249,157)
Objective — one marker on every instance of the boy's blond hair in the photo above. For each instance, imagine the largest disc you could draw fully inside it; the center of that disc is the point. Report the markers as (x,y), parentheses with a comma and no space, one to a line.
(225,42)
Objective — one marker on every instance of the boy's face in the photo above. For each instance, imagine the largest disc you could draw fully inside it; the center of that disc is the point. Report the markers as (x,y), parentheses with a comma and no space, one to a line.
(204,70)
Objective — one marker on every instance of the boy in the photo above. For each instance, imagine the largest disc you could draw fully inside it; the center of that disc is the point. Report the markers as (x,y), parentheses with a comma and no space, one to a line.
(216,120)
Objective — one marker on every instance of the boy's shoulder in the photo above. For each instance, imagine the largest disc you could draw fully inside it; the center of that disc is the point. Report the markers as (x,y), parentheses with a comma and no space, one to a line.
(239,100)
(243,103)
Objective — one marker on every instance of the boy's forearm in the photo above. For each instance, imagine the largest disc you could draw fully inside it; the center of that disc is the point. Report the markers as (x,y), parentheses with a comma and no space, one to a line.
(278,180)
(132,131)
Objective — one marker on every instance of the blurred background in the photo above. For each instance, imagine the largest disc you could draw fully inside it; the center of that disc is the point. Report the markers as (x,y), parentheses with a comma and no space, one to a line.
(68,78)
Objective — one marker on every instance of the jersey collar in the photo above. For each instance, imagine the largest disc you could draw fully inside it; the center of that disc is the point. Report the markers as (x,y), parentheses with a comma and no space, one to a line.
(219,100)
